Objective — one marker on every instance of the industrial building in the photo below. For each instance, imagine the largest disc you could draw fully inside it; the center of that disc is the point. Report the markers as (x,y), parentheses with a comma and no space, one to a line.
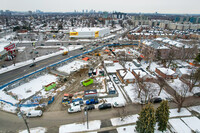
(89,32)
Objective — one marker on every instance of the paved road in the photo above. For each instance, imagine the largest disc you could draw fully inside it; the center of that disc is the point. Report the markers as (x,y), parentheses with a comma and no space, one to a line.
(11,75)
(52,120)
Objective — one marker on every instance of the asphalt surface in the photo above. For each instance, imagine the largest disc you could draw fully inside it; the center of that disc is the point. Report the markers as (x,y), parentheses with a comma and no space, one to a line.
(13,74)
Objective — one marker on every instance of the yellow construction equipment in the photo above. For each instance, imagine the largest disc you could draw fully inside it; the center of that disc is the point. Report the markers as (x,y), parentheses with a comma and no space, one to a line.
(97,54)
(65,53)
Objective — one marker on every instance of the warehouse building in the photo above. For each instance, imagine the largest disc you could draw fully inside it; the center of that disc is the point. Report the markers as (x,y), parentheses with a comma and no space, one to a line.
(89,32)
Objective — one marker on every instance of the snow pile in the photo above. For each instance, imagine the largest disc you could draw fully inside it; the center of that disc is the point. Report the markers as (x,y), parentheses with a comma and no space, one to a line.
(72,66)
(35,130)
(127,120)
(28,89)
(7,107)
(174,113)
(93,125)
(8,98)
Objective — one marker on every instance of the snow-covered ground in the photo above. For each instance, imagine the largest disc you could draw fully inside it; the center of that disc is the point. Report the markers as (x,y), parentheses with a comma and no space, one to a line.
(30,88)
(35,130)
(192,122)
(195,108)
(21,64)
(5,41)
(179,126)
(132,90)
(131,129)
(127,120)
(174,113)
(180,87)
(75,127)
(72,66)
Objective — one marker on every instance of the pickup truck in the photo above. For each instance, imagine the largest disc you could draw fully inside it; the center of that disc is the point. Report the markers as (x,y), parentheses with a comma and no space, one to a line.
(92,101)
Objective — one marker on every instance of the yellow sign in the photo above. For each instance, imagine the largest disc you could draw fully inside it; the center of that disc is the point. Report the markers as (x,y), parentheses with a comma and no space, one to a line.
(96,34)
(73,33)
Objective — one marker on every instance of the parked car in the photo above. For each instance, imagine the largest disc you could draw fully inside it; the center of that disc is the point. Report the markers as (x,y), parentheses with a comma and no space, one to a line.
(42,44)
(89,107)
(92,101)
(34,113)
(3,66)
(156,100)
(197,94)
(116,81)
(74,109)
(104,106)
(118,104)
(77,103)
(32,65)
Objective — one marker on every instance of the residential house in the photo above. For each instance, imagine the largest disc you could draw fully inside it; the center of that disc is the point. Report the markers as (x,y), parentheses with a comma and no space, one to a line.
(125,76)
(166,73)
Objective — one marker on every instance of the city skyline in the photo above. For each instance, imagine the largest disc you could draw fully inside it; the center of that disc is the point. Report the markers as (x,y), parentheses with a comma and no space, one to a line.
(129,6)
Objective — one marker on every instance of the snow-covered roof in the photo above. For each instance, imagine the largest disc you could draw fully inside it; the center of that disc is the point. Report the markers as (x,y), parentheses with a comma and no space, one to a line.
(112,69)
(86,29)
(185,71)
(129,75)
(166,71)
(140,72)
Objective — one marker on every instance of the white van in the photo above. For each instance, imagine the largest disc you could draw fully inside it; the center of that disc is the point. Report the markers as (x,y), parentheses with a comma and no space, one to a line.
(34,113)
(118,104)
(74,109)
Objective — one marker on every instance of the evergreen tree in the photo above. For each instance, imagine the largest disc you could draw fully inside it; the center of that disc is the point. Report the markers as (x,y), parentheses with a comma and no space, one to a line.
(162,115)
(146,120)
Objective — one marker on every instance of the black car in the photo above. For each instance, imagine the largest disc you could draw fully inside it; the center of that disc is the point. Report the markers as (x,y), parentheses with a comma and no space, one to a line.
(32,65)
(89,107)
(104,106)
(197,94)
(156,100)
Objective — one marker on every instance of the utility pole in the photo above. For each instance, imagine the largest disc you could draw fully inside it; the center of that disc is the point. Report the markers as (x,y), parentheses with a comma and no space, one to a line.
(21,115)
(86,113)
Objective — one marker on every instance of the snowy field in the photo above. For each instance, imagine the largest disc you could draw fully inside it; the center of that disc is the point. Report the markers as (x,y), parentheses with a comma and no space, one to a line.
(28,89)
(174,113)
(35,130)
(21,64)
(127,120)
(75,127)
(72,66)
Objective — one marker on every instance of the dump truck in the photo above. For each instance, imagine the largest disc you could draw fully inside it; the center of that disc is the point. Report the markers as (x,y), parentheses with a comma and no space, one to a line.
(50,86)
(87,82)
(65,52)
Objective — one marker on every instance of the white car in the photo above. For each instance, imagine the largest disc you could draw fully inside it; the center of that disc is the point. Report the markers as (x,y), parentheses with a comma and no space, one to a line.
(34,113)
(74,109)
(118,104)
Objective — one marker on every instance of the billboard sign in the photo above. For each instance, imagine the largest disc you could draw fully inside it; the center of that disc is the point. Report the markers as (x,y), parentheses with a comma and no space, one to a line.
(9,47)
(73,33)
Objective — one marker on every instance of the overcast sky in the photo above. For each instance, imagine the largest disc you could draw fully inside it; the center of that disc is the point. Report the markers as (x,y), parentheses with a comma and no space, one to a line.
(134,6)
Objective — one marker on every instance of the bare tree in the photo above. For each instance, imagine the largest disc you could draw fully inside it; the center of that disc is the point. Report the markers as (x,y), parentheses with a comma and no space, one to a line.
(194,77)
(179,97)
(161,82)
(121,112)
